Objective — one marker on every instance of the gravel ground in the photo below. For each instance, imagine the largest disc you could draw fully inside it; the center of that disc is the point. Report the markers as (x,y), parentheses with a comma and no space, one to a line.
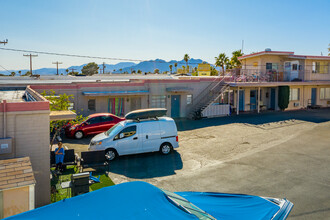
(279,154)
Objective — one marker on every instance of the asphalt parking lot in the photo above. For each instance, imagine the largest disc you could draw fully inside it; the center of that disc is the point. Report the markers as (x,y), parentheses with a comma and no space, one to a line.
(276,154)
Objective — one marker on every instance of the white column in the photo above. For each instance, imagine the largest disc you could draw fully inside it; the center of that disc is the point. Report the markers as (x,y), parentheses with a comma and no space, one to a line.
(31,197)
(258,100)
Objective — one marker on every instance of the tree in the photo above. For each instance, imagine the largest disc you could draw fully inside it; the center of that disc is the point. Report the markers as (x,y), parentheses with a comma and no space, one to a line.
(133,71)
(234,61)
(183,69)
(67,71)
(20,73)
(186,58)
(213,71)
(120,70)
(90,69)
(60,103)
(176,67)
(156,71)
(283,97)
(221,61)
(27,73)
(139,71)
(12,74)
(329,50)
(171,66)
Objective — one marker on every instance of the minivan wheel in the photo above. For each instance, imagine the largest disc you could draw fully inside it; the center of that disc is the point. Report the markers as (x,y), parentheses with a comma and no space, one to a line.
(165,148)
(79,135)
(110,154)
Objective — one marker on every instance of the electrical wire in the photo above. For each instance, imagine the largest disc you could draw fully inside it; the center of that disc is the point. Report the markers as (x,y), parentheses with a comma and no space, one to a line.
(91,57)
(5,69)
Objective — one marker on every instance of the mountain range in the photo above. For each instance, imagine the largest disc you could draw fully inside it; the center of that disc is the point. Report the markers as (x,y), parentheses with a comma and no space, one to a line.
(122,67)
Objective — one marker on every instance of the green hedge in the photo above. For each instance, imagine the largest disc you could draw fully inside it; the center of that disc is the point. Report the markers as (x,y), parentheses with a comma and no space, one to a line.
(283,97)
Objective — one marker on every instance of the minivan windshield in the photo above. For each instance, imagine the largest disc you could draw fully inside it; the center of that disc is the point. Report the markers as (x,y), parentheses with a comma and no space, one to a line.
(114,130)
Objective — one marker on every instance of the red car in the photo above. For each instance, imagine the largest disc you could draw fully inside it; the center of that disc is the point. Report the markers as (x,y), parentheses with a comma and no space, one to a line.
(95,124)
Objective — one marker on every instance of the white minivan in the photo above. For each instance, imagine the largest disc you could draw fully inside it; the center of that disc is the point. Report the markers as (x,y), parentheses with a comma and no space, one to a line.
(137,136)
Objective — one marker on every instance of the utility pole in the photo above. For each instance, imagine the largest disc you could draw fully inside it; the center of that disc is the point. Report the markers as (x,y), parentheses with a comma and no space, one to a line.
(103,67)
(57,63)
(30,55)
(4,42)
(72,70)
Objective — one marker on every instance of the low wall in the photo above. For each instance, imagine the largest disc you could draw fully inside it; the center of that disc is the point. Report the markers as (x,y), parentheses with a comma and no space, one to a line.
(215,110)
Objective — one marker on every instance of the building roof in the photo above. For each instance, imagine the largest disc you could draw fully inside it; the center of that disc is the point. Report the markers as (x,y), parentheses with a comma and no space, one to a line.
(16,172)
(283,53)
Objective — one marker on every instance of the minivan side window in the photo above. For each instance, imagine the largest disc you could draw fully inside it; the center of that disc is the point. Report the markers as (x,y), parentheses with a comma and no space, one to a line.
(127,132)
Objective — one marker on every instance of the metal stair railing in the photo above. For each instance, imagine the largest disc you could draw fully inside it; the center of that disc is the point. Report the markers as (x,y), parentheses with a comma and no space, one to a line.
(208,95)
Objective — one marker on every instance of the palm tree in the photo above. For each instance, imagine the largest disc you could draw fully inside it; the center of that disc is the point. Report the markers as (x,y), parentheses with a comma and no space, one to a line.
(139,72)
(176,65)
(183,69)
(120,70)
(221,61)
(67,71)
(186,58)
(20,73)
(170,68)
(234,61)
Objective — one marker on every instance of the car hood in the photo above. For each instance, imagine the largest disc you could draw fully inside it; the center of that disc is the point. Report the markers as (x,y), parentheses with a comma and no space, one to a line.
(238,206)
(100,137)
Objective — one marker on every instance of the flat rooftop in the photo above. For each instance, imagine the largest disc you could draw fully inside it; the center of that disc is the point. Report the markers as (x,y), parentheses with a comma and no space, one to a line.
(12,95)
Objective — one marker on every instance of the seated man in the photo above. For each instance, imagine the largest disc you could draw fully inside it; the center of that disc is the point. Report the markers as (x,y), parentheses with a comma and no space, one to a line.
(59,157)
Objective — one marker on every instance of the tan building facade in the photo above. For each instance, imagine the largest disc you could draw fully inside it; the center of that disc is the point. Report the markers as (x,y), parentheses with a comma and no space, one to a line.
(24,122)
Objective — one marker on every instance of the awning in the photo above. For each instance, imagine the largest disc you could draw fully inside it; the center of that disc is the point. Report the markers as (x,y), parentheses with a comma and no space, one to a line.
(116,93)
(179,89)
(62,115)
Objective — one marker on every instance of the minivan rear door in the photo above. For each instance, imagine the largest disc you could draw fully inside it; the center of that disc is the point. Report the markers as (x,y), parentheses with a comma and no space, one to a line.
(150,136)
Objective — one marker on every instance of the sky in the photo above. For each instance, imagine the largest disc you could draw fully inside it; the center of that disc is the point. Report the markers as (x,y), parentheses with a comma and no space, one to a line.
(151,29)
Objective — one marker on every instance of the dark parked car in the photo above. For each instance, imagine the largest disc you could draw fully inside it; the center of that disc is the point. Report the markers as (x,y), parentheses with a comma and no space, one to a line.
(95,124)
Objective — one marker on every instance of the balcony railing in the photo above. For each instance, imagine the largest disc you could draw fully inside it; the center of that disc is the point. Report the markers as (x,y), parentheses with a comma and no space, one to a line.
(262,75)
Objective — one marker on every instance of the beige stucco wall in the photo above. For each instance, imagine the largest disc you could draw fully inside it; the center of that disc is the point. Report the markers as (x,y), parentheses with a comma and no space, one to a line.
(315,76)
(15,201)
(154,88)
(30,133)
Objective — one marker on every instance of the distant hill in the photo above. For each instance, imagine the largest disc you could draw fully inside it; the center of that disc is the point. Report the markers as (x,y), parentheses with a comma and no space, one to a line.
(144,66)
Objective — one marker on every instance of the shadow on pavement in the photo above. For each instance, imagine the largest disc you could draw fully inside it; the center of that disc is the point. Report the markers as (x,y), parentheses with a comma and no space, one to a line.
(147,165)
(310,115)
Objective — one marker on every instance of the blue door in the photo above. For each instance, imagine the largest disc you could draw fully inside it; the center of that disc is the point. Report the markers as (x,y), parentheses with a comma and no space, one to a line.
(175,106)
(253,99)
(241,100)
(272,98)
(313,97)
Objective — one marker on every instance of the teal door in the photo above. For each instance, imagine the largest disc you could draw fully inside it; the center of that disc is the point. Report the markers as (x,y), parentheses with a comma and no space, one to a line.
(241,100)
(175,106)
(272,98)
(313,97)
(253,99)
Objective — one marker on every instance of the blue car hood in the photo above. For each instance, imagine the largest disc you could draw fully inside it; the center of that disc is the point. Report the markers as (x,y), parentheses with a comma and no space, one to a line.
(232,206)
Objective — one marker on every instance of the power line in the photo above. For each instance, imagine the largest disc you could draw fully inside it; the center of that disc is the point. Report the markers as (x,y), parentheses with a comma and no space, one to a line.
(92,57)
(5,69)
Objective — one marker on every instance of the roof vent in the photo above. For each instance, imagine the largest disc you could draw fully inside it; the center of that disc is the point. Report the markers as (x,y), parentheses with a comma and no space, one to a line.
(268,49)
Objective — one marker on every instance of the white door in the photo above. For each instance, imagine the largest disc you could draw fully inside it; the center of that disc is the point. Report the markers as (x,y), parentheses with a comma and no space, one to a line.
(150,136)
(294,70)
(127,141)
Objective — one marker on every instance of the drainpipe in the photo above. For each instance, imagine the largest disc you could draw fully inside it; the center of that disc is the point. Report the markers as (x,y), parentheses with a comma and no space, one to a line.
(258,100)
(4,119)
(237,109)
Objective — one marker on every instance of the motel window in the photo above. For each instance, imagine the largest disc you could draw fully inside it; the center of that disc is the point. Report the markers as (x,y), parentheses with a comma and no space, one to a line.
(158,101)
(189,99)
(91,104)
(294,66)
(269,66)
(294,94)
(316,67)
(325,93)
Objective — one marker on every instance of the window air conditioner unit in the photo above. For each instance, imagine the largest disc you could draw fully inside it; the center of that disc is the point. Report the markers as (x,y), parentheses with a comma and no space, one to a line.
(296,104)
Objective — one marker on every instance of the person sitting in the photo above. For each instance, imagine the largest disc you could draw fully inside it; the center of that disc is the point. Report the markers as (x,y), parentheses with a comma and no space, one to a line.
(59,157)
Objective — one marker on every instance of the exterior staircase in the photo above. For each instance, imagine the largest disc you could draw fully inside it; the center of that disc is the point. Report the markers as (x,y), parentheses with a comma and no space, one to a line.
(207,97)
